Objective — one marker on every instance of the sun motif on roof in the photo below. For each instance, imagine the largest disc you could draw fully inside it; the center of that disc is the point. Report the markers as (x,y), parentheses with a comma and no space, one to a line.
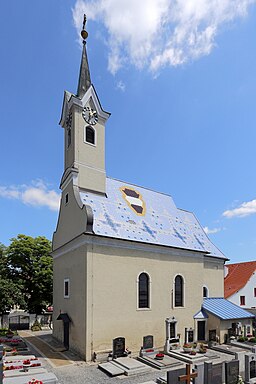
(134,200)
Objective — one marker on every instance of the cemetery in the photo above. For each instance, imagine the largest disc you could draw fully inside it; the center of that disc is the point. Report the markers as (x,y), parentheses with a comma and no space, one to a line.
(197,363)
(18,365)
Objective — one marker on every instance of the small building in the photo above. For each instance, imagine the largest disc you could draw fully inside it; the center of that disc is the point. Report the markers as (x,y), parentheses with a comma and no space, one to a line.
(225,319)
(240,284)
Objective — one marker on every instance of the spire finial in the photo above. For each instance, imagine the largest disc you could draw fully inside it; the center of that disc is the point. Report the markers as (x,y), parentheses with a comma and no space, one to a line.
(84,33)
(84,81)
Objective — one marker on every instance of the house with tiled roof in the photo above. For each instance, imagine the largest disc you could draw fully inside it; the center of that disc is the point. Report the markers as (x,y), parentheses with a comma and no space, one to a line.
(127,262)
(240,284)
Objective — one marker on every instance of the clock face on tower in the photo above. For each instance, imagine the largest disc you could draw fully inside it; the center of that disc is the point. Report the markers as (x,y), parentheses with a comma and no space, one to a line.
(90,115)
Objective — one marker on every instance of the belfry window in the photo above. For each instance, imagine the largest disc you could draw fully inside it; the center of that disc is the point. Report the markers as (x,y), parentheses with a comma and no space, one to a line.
(68,137)
(143,291)
(90,135)
(178,291)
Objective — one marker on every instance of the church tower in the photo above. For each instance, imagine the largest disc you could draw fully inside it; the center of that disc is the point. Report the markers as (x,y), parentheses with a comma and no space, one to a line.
(83,120)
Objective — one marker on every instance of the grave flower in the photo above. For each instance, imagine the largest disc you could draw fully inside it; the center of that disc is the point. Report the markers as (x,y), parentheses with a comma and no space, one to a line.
(159,356)
(35,381)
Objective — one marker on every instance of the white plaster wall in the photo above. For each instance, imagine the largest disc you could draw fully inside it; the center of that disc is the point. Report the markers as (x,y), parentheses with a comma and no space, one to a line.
(248,292)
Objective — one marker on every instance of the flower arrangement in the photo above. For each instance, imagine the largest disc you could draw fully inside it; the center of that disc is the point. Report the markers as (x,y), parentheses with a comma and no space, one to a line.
(26,362)
(187,348)
(159,356)
(35,381)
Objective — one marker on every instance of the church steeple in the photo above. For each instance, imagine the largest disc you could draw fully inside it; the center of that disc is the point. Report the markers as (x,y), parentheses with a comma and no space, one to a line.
(84,122)
(84,80)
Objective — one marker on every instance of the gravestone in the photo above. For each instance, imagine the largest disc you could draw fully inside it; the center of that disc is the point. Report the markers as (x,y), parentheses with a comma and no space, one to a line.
(212,335)
(231,371)
(173,376)
(250,367)
(148,342)
(213,374)
(190,336)
(217,373)
(200,373)
(118,347)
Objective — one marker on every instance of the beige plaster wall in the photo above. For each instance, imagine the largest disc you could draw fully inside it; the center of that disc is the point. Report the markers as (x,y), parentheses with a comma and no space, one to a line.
(72,266)
(113,292)
(72,219)
(90,159)
(214,272)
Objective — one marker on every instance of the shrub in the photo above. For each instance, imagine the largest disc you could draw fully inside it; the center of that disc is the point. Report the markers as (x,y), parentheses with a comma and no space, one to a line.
(36,326)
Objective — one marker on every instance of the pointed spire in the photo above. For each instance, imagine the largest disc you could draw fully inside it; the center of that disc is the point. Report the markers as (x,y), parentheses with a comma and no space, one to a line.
(84,81)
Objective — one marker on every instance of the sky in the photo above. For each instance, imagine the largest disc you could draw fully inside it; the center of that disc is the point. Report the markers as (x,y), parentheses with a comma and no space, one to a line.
(179,79)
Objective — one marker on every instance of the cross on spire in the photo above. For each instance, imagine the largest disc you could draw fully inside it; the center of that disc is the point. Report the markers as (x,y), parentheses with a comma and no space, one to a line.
(189,375)
(84,81)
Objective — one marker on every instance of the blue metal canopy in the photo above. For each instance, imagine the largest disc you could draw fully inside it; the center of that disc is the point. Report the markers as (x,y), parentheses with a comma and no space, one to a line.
(224,309)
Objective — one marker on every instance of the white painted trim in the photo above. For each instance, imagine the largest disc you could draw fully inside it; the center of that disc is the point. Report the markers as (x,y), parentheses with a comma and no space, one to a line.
(208,294)
(95,135)
(64,286)
(173,291)
(123,244)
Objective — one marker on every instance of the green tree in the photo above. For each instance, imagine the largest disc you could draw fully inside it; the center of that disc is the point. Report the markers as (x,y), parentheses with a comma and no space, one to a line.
(30,265)
(10,291)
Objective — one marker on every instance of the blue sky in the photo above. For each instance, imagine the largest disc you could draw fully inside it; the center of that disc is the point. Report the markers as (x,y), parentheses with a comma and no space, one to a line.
(179,79)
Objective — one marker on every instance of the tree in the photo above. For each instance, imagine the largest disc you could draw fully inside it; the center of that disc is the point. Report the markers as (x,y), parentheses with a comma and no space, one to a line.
(30,265)
(10,292)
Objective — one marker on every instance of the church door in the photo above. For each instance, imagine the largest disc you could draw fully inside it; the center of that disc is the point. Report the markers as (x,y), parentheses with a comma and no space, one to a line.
(201,330)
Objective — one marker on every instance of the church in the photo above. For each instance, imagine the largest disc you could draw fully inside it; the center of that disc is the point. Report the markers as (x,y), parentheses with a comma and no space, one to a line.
(127,262)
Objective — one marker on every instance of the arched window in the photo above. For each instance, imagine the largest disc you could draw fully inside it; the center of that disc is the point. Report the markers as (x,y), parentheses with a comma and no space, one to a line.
(178,291)
(90,135)
(143,291)
(205,292)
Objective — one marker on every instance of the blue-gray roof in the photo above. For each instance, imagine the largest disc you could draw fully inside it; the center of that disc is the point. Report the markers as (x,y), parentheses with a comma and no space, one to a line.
(224,309)
(134,213)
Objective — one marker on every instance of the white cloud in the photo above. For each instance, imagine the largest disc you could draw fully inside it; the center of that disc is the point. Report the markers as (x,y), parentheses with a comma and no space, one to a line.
(157,33)
(213,230)
(37,194)
(245,209)
(121,86)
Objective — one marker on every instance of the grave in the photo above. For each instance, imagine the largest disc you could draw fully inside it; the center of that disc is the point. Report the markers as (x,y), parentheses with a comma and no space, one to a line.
(147,348)
(119,347)
(184,375)
(173,376)
(231,371)
(46,378)
(250,368)
(21,372)
(111,369)
(124,365)
(19,357)
(166,362)
(172,339)
(227,348)
(191,359)
(213,373)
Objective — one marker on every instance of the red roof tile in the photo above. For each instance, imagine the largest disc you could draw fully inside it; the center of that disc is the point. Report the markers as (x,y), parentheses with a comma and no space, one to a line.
(237,277)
